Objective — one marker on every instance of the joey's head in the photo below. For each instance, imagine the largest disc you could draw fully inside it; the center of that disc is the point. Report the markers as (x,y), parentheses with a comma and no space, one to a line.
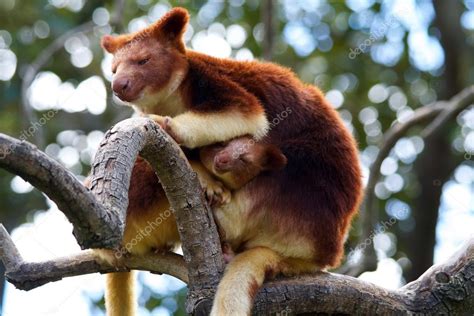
(240,160)
(149,65)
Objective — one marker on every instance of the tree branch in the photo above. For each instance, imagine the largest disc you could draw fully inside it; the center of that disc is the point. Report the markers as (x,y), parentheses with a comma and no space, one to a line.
(267,12)
(445,288)
(98,216)
(94,227)
(9,254)
(455,106)
(30,275)
(110,182)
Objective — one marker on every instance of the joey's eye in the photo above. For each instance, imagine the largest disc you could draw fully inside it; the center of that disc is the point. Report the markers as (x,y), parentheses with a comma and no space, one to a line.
(143,61)
(244,158)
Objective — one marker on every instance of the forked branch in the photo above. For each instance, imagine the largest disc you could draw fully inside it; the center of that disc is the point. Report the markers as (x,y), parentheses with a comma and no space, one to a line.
(446,288)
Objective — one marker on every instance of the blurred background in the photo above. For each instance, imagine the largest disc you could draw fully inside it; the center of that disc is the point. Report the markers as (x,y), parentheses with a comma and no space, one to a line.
(377,61)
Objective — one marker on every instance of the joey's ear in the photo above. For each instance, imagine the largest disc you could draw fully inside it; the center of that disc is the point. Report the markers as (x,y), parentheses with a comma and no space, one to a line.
(172,25)
(274,158)
(112,43)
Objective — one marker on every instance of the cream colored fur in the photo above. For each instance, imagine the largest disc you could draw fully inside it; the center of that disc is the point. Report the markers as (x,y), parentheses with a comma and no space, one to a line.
(235,220)
(167,101)
(242,279)
(123,301)
(198,129)
(267,250)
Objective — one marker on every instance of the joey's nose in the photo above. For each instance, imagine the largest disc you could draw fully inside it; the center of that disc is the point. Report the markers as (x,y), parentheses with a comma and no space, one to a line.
(120,86)
(222,162)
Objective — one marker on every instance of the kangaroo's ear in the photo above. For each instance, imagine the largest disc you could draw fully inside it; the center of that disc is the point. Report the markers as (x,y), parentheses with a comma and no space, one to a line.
(274,158)
(113,43)
(172,26)
(109,43)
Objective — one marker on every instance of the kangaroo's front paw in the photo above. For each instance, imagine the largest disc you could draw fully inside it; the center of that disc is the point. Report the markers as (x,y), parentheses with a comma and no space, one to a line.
(216,193)
(169,126)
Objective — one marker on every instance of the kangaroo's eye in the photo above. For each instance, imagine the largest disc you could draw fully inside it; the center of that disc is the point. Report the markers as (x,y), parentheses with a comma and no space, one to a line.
(143,61)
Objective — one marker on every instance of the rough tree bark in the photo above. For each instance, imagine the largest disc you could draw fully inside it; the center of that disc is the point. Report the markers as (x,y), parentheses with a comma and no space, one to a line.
(110,180)
(443,289)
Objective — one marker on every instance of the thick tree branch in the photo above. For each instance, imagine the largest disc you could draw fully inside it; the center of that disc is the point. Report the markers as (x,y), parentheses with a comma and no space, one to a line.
(110,182)
(94,227)
(445,288)
(98,216)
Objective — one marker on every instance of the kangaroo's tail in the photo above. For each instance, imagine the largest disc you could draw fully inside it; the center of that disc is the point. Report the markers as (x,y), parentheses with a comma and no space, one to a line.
(120,297)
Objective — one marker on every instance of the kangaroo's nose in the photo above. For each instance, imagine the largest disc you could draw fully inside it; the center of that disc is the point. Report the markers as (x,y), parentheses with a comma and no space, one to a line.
(120,86)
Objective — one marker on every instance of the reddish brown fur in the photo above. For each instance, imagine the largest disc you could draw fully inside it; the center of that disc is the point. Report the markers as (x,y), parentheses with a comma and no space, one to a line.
(205,88)
(237,162)
(319,190)
(314,196)
(246,160)
(145,188)
(254,286)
